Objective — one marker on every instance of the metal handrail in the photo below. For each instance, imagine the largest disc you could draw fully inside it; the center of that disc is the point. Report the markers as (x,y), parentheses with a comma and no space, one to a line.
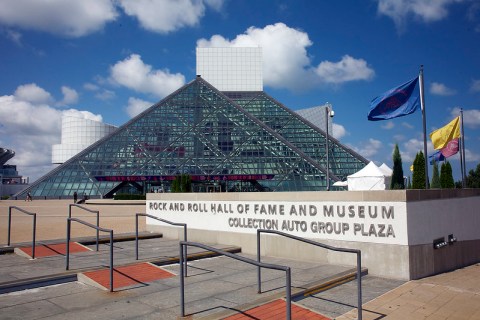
(318,244)
(34,226)
(89,210)
(288,281)
(184,225)
(69,222)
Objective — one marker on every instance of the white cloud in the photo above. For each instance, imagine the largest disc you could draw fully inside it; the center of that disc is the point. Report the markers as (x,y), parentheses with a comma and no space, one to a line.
(91,87)
(30,127)
(24,117)
(475,86)
(33,93)
(101,93)
(66,18)
(410,148)
(105,95)
(137,106)
(425,10)
(134,74)
(70,96)
(347,69)
(339,131)
(82,115)
(471,156)
(286,63)
(440,89)
(388,125)
(37,95)
(170,15)
(369,148)
(407,125)
(471,118)
(215,4)
(284,49)
(15,36)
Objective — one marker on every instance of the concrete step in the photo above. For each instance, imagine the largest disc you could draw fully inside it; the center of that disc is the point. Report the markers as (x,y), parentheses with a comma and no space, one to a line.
(297,294)
(72,275)
(85,240)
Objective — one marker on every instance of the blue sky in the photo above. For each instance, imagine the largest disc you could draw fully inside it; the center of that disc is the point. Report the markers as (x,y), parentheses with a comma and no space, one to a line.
(109,60)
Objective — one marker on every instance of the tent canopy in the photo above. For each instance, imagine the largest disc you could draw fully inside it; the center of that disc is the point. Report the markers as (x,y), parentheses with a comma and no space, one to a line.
(370,177)
(340,184)
(386,169)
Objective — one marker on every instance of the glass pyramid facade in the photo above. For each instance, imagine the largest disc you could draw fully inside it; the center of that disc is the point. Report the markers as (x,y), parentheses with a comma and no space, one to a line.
(226,141)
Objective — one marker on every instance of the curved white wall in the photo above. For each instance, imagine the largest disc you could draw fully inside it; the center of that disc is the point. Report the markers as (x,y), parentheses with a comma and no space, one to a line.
(77,134)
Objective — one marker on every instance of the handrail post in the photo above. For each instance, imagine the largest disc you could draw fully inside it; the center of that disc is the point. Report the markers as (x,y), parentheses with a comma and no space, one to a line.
(111,260)
(182,283)
(356,251)
(110,231)
(359,284)
(34,227)
(9,224)
(67,255)
(184,225)
(33,234)
(136,236)
(287,270)
(289,293)
(98,225)
(259,269)
(185,248)
(97,212)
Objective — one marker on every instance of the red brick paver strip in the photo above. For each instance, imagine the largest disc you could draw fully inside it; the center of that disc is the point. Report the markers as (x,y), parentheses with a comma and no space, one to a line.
(47,250)
(125,276)
(276,310)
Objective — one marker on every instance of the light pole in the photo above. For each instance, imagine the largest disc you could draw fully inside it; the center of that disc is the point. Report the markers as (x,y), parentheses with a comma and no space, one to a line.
(328,113)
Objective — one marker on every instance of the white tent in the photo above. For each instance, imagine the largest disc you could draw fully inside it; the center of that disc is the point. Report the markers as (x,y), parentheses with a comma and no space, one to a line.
(386,170)
(370,177)
(340,184)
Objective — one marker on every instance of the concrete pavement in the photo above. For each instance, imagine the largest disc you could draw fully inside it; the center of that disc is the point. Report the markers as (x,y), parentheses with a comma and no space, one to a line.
(213,284)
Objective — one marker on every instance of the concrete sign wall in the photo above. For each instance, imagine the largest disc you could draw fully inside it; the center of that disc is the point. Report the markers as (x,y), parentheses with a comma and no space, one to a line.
(349,221)
(395,229)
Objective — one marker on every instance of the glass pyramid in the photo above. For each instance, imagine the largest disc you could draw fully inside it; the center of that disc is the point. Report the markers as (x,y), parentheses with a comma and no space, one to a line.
(226,141)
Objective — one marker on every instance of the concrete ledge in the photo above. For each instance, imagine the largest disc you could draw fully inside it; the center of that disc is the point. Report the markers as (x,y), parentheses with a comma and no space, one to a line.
(380,195)
(426,261)
(111,202)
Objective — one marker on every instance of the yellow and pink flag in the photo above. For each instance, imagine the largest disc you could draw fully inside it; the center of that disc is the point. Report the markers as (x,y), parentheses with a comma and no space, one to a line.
(441,137)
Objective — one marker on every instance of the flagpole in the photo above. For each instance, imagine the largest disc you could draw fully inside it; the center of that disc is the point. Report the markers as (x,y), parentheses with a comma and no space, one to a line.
(460,141)
(424,118)
(462,151)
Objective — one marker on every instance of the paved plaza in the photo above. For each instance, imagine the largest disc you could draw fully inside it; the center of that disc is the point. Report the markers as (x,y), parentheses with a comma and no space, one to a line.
(216,286)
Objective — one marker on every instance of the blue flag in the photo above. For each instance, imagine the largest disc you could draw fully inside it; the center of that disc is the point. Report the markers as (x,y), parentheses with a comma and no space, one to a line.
(396,102)
(437,157)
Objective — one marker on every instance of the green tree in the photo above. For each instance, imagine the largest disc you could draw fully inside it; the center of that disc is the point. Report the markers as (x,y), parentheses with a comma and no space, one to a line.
(446,176)
(435,176)
(397,175)
(175,185)
(443,175)
(418,179)
(182,183)
(473,178)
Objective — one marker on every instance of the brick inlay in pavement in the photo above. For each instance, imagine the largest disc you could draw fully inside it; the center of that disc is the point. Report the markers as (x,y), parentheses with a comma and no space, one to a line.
(277,310)
(130,275)
(47,250)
